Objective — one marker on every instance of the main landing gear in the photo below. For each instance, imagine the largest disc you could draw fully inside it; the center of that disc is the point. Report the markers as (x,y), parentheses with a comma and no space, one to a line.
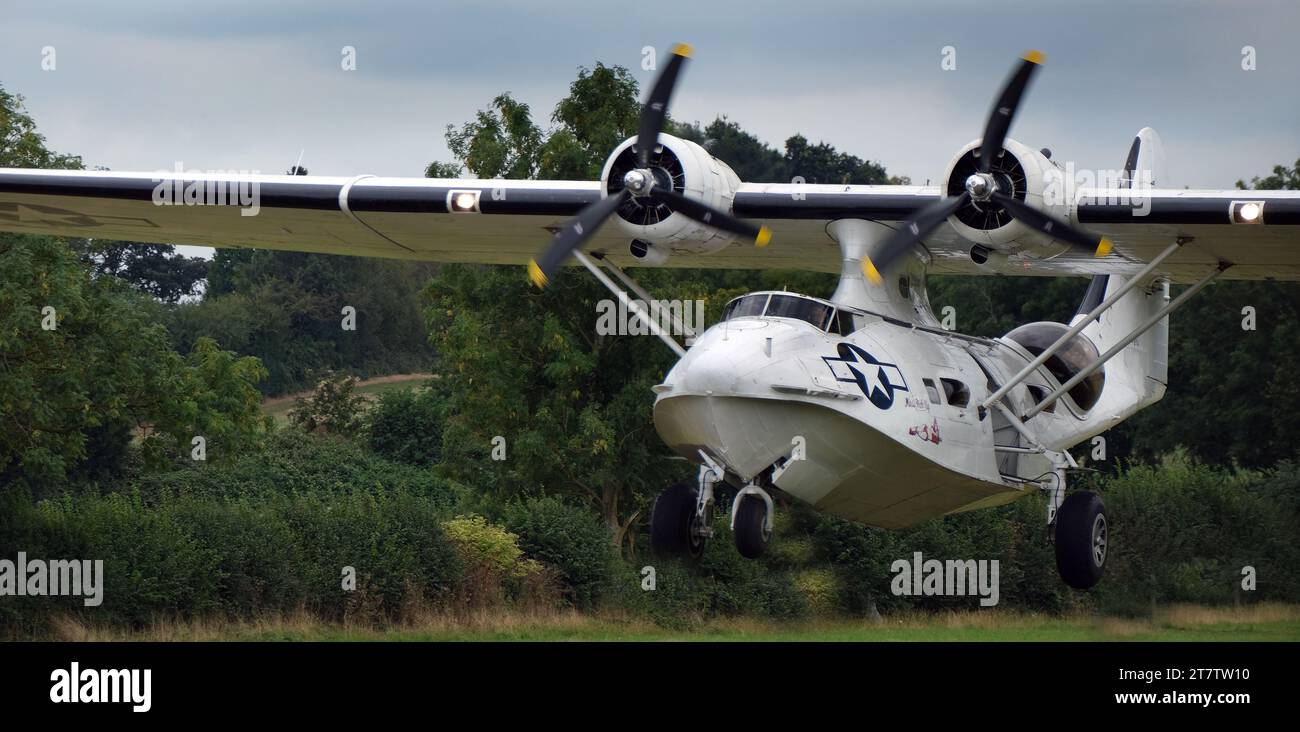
(1078,527)
(682,520)
(1081,534)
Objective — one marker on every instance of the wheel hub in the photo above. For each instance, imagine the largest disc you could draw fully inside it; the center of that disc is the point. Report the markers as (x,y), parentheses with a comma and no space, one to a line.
(1099,540)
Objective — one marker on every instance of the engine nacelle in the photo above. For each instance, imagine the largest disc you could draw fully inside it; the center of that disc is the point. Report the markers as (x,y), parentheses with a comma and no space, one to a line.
(1021,172)
(689,170)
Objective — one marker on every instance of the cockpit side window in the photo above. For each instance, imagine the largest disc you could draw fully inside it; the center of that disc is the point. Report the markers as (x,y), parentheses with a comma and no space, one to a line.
(810,311)
(845,323)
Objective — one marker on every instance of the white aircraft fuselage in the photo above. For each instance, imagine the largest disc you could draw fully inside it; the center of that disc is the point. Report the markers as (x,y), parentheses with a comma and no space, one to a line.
(872,412)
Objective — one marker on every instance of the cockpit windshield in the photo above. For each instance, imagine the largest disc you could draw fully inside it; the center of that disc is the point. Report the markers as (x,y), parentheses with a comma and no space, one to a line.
(776,305)
(746,306)
(809,311)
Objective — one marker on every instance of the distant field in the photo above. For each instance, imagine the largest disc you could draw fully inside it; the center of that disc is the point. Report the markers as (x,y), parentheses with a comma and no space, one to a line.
(1257,623)
(279,407)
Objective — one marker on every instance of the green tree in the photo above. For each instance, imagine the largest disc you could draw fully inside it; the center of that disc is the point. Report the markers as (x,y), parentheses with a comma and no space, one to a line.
(501,142)
(751,158)
(287,308)
(154,269)
(87,371)
(600,112)
(21,146)
(1221,371)
(1282,179)
(84,368)
(822,163)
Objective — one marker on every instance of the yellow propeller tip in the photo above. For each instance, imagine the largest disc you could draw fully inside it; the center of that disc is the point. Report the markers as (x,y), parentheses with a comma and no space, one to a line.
(764,236)
(683,49)
(1034,57)
(869,269)
(536,274)
(1103,248)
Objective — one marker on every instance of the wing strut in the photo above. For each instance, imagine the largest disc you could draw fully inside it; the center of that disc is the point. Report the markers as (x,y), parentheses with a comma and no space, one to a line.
(1150,322)
(632,305)
(632,285)
(1078,327)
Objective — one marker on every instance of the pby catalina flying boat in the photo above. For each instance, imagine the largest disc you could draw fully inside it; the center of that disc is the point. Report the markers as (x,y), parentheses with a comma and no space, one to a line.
(859,404)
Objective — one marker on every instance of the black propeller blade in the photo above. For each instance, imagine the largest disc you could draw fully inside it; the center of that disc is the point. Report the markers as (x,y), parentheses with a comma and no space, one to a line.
(711,217)
(581,227)
(1096,244)
(576,231)
(991,146)
(995,131)
(656,105)
(913,231)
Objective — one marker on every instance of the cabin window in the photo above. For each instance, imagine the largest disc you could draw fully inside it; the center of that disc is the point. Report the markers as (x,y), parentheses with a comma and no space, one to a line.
(955,392)
(931,390)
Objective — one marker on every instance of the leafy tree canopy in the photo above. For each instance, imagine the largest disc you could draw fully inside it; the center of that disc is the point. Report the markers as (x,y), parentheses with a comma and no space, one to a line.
(85,369)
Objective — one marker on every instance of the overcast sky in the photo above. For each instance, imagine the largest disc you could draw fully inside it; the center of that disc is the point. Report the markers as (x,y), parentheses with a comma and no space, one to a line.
(245,85)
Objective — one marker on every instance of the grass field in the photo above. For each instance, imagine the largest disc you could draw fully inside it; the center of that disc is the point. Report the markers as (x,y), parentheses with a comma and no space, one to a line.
(1178,623)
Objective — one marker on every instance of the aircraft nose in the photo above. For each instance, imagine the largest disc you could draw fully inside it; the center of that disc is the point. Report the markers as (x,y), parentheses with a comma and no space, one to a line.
(728,358)
(711,371)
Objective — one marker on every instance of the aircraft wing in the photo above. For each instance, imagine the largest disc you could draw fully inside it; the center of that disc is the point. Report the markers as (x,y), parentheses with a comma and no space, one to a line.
(512,220)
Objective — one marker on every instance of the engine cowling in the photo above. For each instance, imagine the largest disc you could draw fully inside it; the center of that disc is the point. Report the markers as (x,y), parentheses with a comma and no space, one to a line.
(1023,173)
(654,230)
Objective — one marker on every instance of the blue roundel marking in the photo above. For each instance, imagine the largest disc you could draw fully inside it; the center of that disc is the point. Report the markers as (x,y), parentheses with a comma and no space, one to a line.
(877,379)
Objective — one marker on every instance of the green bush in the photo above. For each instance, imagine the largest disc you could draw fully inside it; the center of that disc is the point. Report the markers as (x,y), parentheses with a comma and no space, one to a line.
(678,600)
(272,531)
(1014,535)
(152,567)
(332,406)
(569,538)
(295,462)
(406,425)
(1183,532)
(393,540)
(480,542)
(720,583)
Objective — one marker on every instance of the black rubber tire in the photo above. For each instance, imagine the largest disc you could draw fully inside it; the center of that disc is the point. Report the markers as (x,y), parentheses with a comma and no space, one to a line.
(670,520)
(1082,538)
(751,538)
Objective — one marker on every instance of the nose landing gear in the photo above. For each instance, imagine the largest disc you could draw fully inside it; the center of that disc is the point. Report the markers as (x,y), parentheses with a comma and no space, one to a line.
(682,519)
(751,520)
(674,528)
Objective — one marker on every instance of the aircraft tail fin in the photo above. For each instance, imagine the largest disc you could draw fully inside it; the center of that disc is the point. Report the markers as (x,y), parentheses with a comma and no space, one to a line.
(1145,165)
(1136,376)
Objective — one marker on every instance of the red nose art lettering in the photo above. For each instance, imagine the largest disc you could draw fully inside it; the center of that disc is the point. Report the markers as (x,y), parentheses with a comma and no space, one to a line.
(927,432)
